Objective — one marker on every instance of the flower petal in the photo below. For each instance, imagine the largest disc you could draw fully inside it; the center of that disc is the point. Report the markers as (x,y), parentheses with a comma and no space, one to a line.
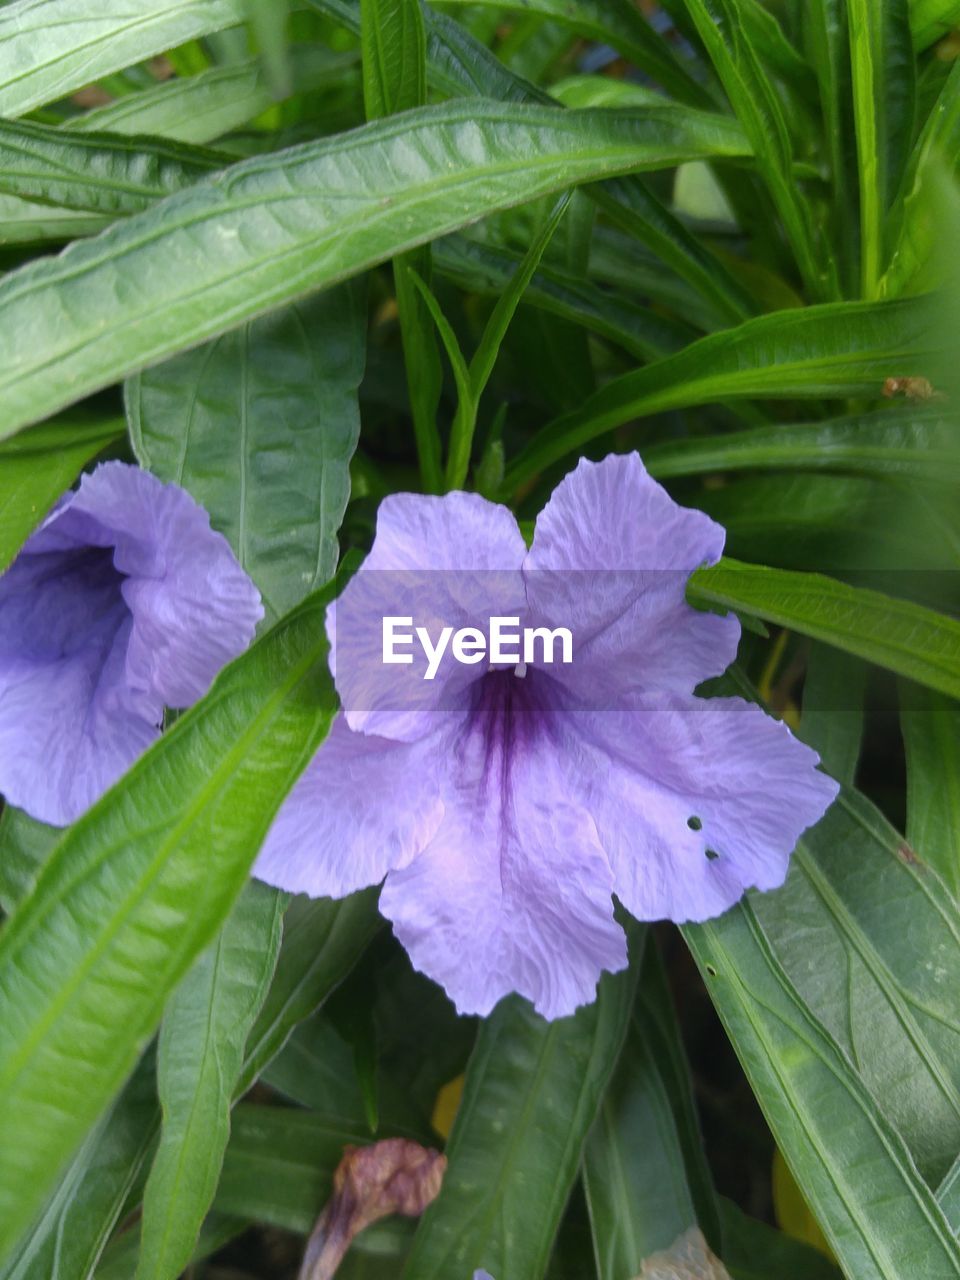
(514,891)
(696,800)
(363,806)
(194,609)
(610,560)
(451,561)
(69,723)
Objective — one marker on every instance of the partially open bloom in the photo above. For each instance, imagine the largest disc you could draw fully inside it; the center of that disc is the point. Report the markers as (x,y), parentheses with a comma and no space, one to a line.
(123,602)
(506,803)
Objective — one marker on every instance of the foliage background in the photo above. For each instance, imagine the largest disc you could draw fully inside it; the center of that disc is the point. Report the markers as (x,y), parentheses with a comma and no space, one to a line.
(719,231)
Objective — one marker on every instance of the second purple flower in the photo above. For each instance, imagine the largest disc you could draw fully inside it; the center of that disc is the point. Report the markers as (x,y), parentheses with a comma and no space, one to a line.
(505,805)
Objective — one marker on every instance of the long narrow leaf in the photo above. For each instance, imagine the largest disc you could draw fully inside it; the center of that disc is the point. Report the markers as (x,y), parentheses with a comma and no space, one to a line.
(835,350)
(270,230)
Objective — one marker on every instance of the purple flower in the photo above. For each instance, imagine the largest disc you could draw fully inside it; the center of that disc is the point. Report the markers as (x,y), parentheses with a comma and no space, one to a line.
(505,805)
(123,602)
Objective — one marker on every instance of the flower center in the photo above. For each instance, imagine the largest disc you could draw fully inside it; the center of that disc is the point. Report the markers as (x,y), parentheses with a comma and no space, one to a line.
(509,711)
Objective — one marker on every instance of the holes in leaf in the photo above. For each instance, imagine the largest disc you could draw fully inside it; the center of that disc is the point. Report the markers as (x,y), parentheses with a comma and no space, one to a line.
(694,823)
(712,855)
(710,970)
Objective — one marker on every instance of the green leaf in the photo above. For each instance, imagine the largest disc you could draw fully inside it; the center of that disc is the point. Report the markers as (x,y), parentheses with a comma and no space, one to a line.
(484,268)
(896,634)
(269,230)
(915,443)
(93,173)
(268,25)
(301,1151)
(884,89)
(322,941)
(826,34)
(755,100)
(931,736)
(915,220)
(848,525)
(632,206)
(36,469)
(25,845)
(50,48)
(472,380)
(948,1197)
(24,223)
(620,24)
(856,901)
(881,1219)
(133,893)
(931,19)
(260,427)
(200,1057)
(205,106)
(834,690)
(635,1171)
(834,350)
(755,1251)
(459,65)
(531,1094)
(394,56)
(68,1238)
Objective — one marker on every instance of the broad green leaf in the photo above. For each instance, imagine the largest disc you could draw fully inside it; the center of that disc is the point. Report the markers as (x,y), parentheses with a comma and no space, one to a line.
(269,230)
(66,1241)
(857,902)
(948,1197)
(49,48)
(133,893)
(752,1250)
(754,98)
(24,223)
(25,845)
(36,469)
(394,56)
(260,426)
(531,1094)
(91,173)
(199,1061)
(834,350)
(884,74)
(486,268)
(834,690)
(620,24)
(931,736)
(915,443)
(896,634)
(881,1219)
(203,107)
(842,524)
(635,1173)
(300,1150)
(322,941)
